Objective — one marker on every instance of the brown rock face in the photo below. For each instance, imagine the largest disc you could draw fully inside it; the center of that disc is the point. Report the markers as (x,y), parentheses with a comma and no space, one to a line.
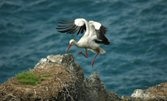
(62,80)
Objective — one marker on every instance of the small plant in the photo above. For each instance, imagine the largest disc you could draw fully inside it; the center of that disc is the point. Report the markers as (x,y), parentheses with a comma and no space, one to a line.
(28,78)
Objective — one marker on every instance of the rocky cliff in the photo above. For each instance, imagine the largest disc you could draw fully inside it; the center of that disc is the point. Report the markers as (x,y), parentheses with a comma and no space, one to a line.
(59,78)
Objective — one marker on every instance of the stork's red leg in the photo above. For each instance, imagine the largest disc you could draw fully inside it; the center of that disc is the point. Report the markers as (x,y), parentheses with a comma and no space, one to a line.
(93,61)
(85,55)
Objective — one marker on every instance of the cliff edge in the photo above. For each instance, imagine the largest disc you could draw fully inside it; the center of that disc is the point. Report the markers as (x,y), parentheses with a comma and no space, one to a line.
(59,78)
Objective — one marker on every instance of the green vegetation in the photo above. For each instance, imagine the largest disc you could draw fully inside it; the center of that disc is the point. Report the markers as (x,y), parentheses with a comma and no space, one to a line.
(28,78)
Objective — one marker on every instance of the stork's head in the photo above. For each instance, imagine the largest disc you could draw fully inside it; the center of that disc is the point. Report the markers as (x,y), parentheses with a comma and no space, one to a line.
(71,43)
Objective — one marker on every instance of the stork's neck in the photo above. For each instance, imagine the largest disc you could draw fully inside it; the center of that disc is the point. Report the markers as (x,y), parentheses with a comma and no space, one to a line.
(75,43)
(87,26)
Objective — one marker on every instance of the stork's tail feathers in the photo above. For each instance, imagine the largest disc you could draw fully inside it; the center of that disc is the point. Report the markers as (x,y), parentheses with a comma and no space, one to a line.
(102,51)
(99,50)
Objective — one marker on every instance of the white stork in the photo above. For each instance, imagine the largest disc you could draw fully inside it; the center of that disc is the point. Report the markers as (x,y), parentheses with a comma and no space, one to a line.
(92,38)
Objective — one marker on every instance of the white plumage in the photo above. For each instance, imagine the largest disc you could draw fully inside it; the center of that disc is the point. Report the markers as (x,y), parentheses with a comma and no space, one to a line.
(92,38)
(79,22)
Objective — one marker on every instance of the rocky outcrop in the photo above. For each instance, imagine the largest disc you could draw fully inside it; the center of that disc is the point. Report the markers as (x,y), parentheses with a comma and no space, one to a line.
(158,92)
(61,79)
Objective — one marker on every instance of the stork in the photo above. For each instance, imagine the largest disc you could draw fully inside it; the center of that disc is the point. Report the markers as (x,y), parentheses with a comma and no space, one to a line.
(92,38)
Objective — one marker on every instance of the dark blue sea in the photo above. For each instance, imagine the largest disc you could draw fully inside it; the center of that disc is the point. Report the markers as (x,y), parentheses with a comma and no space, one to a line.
(137,29)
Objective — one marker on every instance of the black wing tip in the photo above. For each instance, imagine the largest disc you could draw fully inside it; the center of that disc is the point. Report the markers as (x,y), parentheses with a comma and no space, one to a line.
(65,26)
(106,42)
(68,26)
(103,29)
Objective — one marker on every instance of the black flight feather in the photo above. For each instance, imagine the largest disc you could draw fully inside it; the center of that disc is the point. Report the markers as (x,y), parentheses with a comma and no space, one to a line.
(65,26)
(101,37)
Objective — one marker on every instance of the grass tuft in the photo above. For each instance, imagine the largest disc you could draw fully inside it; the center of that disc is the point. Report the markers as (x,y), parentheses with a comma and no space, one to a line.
(28,78)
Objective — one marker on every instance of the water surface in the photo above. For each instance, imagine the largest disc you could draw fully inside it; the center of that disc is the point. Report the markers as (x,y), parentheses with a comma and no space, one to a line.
(137,30)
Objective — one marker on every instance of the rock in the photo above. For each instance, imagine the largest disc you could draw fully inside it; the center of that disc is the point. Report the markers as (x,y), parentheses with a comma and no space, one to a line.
(62,80)
(95,91)
(155,93)
(139,93)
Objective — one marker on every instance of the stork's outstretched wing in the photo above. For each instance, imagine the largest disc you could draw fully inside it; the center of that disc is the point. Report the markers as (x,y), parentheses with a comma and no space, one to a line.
(101,37)
(71,27)
(100,32)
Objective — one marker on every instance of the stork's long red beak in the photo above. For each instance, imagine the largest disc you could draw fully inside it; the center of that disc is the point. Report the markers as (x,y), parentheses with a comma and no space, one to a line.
(69,46)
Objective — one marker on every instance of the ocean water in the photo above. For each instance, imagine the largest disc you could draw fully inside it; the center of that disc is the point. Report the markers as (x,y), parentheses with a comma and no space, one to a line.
(137,29)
